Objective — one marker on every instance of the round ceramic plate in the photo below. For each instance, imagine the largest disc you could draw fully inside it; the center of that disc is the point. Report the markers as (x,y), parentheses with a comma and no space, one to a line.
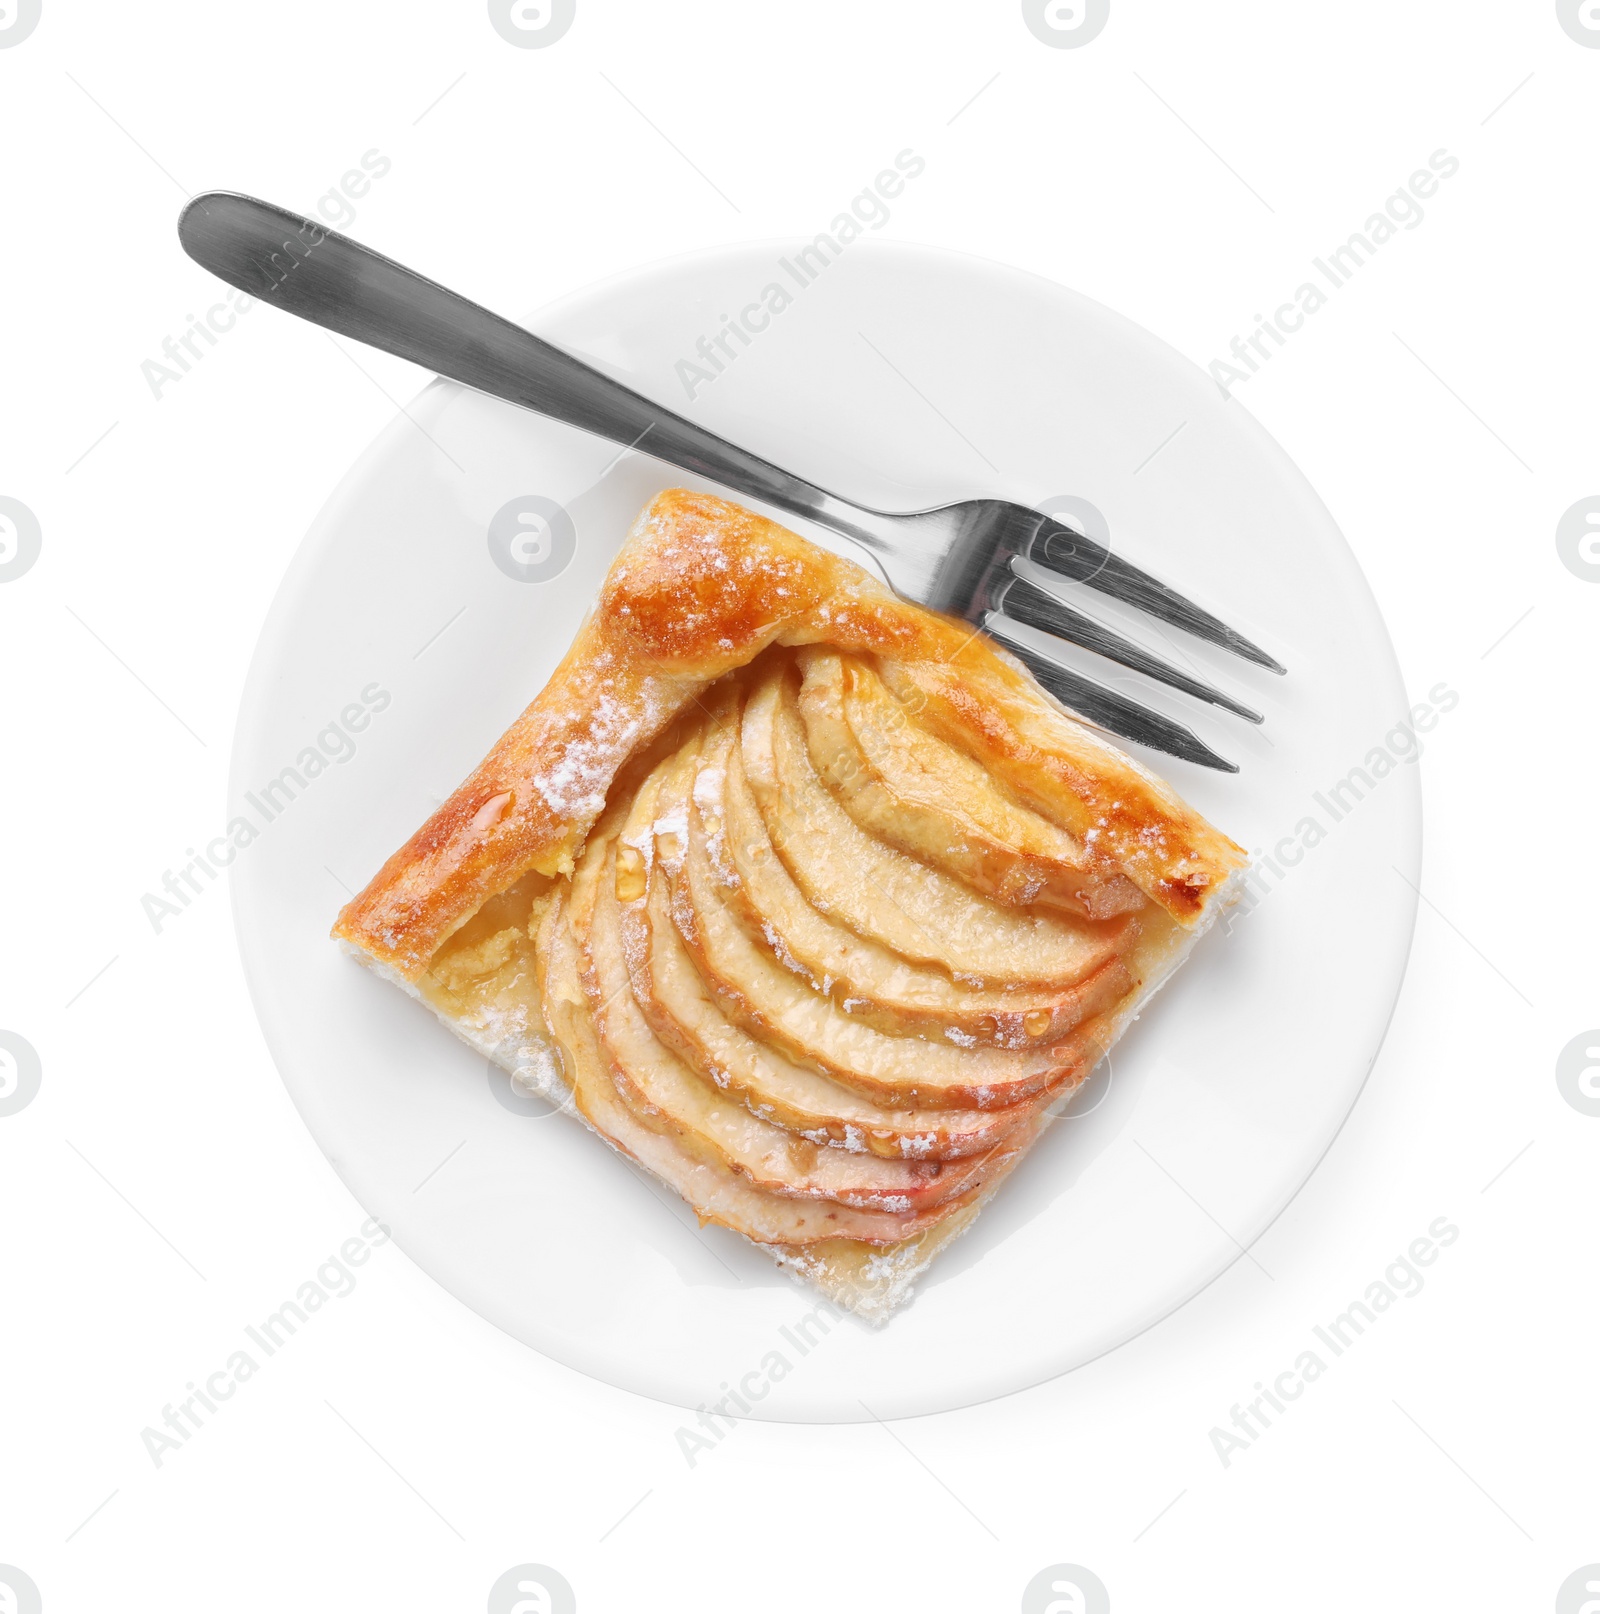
(399,649)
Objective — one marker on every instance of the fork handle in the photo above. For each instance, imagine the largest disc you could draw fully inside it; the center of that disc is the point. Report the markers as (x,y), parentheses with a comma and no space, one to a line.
(296,264)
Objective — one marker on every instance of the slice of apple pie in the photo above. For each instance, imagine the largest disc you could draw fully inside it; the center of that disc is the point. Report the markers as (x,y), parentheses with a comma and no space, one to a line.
(807,899)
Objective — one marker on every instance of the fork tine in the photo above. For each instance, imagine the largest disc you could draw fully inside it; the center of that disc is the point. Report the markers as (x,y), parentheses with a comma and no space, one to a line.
(1059,548)
(1107,708)
(1025,602)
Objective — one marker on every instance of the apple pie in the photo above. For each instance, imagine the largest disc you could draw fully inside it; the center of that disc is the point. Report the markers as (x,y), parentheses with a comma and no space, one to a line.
(806,899)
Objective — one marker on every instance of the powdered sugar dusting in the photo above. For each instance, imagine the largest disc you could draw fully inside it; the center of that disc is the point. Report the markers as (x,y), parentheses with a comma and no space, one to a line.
(575,785)
(673,825)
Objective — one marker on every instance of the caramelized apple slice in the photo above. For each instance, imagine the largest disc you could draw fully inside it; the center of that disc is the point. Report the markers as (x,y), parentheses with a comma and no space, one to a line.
(915,792)
(684,1014)
(779,1008)
(883,894)
(715,1193)
(866,979)
(667,1095)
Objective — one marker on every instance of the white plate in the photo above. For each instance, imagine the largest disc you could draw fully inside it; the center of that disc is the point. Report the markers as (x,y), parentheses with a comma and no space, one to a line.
(891,379)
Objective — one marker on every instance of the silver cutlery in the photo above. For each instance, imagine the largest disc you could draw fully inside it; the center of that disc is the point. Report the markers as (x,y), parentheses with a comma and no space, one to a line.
(959,558)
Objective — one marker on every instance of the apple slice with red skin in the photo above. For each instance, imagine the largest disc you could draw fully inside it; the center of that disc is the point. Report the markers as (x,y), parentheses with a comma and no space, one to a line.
(668,1095)
(716,1193)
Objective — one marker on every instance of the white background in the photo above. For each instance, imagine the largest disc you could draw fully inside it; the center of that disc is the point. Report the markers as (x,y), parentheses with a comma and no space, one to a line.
(1183,167)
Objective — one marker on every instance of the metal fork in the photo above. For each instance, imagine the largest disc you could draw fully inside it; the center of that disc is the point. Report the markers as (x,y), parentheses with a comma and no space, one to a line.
(960,558)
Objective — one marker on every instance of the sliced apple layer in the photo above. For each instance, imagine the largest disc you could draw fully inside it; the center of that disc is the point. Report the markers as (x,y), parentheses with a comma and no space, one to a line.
(781,1009)
(717,1194)
(686,1015)
(668,1095)
(864,978)
(873,889)
(827,1037)
(822,1011)
(914,792)
(820,1039)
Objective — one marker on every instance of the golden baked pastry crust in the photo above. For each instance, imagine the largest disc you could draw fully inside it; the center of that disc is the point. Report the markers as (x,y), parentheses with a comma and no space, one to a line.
(806,898)
(701,588)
